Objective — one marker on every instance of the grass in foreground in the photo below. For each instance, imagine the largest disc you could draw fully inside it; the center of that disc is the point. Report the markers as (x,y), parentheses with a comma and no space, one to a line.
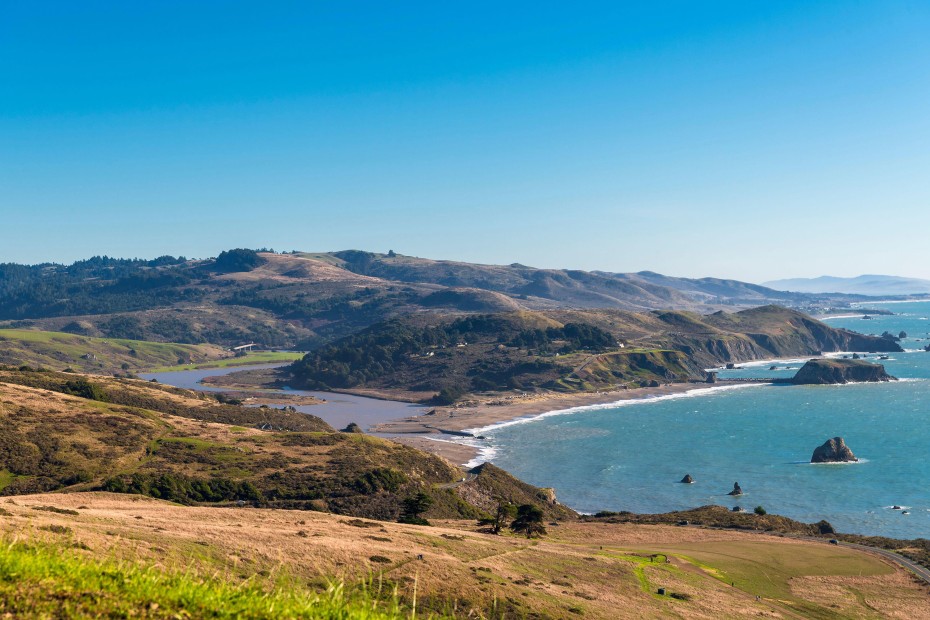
(39,580)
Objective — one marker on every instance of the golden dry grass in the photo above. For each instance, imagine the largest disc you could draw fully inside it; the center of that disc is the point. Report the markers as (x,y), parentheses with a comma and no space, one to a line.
(591,570)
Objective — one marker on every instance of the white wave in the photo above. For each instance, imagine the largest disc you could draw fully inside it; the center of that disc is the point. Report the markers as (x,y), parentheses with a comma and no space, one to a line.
(841,316)
(484,430)
(859,462)
(485,455)
(763,363)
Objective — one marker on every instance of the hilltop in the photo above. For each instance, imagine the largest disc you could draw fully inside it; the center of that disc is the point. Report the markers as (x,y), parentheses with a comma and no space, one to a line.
(301,300)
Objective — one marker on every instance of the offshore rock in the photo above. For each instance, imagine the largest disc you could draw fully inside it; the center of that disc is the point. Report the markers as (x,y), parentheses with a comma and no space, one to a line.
(834,451)
(687,479)
(837,371)
(736,489)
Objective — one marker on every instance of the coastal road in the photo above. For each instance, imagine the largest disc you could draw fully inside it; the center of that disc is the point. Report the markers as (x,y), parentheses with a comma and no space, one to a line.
(897,558)
(452,485)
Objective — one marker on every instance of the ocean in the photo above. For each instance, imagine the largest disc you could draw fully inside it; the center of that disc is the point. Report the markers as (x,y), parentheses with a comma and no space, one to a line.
(631,456)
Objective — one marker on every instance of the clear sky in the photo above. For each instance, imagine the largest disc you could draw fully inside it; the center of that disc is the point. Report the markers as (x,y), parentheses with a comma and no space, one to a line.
(751,140)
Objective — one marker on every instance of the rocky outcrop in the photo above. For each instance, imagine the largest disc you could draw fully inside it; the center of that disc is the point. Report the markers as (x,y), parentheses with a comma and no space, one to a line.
(834,451)
(836,371)
(687,479)
(736,489)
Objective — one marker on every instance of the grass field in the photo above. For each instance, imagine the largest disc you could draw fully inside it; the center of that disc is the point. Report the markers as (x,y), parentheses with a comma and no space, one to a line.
(59,350)
(258,357)
(583,570)
(51,580)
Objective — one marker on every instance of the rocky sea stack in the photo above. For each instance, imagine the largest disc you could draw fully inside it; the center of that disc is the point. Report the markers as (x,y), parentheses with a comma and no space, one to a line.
(736,489)
(835,371)
(834,451)
(687,479)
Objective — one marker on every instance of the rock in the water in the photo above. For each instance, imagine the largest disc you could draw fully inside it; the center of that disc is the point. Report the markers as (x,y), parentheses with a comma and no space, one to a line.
(831,371)
(687,479)
(834,451)
(736,489)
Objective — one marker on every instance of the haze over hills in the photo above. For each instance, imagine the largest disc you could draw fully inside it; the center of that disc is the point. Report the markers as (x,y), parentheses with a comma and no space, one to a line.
(304,299)
(872,285)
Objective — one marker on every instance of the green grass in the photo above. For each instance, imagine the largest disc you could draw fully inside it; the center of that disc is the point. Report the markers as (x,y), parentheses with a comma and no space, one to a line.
(41,580)
(59,350)
(766,570)
(6,477)
(261,357)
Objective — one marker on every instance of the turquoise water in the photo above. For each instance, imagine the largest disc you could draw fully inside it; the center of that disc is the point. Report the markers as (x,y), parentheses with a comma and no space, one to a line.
(631,456)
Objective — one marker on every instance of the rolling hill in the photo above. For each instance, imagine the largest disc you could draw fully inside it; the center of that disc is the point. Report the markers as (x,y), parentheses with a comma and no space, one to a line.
(303,300)
(565,350)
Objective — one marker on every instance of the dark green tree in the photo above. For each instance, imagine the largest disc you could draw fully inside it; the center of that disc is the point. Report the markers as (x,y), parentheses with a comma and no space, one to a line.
(505,512)
(529,521)
(414,507)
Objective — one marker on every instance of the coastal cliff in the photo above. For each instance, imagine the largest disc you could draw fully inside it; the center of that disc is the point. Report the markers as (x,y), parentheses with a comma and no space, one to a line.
(834,371)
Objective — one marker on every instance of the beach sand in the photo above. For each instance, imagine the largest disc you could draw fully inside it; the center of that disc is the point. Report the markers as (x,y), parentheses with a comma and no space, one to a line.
(436,430)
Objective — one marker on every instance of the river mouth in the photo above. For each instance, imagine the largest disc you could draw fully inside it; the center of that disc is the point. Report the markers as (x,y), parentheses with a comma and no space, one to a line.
(336,409)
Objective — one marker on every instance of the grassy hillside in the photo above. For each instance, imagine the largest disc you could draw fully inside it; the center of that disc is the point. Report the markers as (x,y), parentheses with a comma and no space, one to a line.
(60,350)
(564,350)
(303,300)
(590,570)
(59,431)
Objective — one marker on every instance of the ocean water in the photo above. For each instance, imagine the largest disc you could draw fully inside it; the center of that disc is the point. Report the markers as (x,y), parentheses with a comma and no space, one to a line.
(631,456)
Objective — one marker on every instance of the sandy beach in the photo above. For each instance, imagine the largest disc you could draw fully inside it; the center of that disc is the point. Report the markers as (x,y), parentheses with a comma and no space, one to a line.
(436,430)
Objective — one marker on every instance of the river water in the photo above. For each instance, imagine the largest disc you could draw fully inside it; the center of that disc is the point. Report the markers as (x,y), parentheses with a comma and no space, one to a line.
(338,410)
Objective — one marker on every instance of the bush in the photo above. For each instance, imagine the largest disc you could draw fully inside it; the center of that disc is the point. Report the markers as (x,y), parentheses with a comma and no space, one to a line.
(448,395)
(760,511)
(85,389)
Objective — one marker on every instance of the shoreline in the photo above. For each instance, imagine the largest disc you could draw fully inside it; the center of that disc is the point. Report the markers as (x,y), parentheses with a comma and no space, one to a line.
(436,431)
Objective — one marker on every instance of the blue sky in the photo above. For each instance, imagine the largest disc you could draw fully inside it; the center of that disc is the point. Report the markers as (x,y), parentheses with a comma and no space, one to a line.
(735,139)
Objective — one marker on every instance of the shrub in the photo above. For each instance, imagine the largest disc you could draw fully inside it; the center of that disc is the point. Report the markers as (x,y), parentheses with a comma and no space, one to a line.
(760,511)
(448,395)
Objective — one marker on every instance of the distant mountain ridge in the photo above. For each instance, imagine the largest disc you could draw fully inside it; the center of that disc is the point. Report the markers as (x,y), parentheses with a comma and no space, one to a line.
(302,299)
(873,285)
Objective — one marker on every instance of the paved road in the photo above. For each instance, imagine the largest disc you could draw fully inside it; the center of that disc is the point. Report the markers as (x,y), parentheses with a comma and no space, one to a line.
(897,558)
(452,485)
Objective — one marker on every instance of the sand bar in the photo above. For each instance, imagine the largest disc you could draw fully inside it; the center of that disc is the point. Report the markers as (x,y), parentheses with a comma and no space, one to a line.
(436,430)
